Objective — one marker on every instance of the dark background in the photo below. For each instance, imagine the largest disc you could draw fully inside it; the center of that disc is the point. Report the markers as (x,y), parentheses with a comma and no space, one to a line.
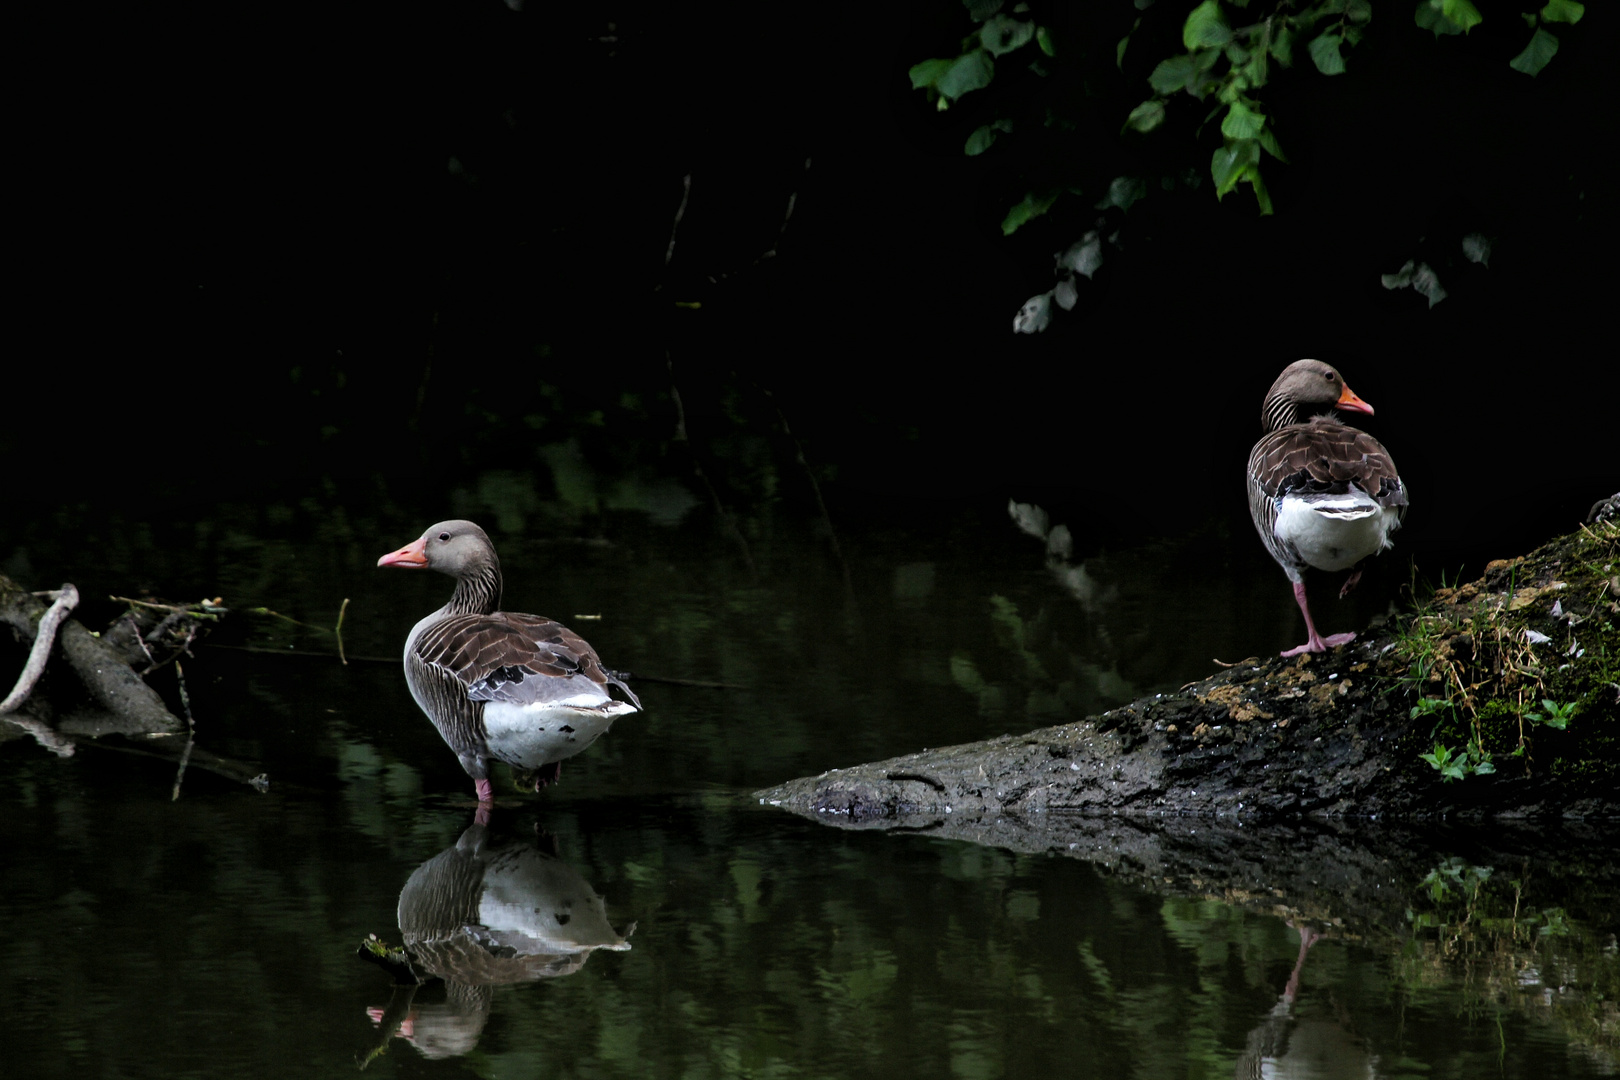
(266,246)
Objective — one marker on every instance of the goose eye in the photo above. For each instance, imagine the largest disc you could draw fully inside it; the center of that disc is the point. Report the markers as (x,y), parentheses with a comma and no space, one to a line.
(444,536)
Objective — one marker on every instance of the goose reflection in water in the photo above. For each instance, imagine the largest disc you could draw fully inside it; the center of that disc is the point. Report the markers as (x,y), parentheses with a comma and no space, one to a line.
(1286,1047)
(482,914)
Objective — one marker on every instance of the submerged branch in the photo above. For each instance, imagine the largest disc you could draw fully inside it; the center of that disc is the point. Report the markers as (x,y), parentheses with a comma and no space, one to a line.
(65,600)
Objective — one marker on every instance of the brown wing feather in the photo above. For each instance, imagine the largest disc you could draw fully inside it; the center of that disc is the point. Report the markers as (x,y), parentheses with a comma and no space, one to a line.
(476,647)
(1324,455)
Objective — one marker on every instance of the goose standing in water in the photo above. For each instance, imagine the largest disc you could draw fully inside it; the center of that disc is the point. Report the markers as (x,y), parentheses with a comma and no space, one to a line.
(515,688)
(1322,494)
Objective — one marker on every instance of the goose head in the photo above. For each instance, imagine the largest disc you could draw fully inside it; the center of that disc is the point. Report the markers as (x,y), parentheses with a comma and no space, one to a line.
(1303,384)
(458,548)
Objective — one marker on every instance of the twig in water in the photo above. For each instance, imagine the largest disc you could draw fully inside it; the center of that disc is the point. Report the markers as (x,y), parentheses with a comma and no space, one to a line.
(135,627)
(697,467)
(821,504)
(703,684)
(286,618)
(675,226)
(206,609)
(191,725)
(770,252)
(301,653)
(338,630)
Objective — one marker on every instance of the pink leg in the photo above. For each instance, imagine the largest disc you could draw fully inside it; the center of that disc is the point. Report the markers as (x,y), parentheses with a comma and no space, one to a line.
(1307,938)
(1315,642)
(1349,583)
(407,1027)
(486,794)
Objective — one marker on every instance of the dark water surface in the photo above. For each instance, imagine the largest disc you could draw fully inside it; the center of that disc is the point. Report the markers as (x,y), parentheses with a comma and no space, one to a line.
(216,935)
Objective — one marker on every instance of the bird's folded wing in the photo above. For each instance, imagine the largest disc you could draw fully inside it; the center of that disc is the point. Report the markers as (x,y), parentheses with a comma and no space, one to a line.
(512,658)
(1324,456)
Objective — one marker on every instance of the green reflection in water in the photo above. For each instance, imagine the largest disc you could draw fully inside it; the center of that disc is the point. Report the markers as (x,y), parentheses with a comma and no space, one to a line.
(215,936)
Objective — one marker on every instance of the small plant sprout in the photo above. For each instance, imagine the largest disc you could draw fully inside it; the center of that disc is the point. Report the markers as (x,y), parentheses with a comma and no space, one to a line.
(1472,759)
(1556,716)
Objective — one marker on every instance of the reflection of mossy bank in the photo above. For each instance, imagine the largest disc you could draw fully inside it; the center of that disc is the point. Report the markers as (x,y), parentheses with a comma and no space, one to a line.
(1320,772)
(1492,927)
(1367,729)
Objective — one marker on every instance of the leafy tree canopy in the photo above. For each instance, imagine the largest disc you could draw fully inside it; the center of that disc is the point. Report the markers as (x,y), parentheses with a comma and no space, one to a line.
(1224,58)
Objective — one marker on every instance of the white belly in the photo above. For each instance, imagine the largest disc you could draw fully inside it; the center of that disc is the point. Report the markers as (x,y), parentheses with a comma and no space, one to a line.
(530,736)
(1335,532)
(538,904)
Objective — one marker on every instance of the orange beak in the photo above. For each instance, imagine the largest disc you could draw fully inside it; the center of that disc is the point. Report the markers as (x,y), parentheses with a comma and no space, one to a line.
(413,556)
(1348,400)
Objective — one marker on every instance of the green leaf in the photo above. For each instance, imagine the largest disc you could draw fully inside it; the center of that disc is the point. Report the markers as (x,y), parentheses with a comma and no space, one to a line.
(1146,116)
(1084,256)
(982,139)
(1324,49)
(1358,11)
(1461,12)
(982,9)
(1429,17)
(1043,38)
(1231,163)
(1199,83)
(1031,207)
(1282,46)
(1261,195)
(1242,122)
(1173,74)
(1119,50)
(1565,11)
(1255,71)
(971,71)
(1206,27)
(1476,246)
(1003,34)
(1122,192)
(1537,55)
(927,73)
(1268,143)
(1421,277)
(1447,16)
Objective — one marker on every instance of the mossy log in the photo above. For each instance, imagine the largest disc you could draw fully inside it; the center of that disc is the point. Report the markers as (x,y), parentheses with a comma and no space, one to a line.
(1337,735)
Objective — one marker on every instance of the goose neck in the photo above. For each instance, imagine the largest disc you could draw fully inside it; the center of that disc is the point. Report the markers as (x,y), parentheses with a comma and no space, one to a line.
(477,593)
(1279,411)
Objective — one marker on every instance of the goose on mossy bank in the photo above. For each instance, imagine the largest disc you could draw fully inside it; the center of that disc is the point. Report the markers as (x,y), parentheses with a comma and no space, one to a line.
(1322,494)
